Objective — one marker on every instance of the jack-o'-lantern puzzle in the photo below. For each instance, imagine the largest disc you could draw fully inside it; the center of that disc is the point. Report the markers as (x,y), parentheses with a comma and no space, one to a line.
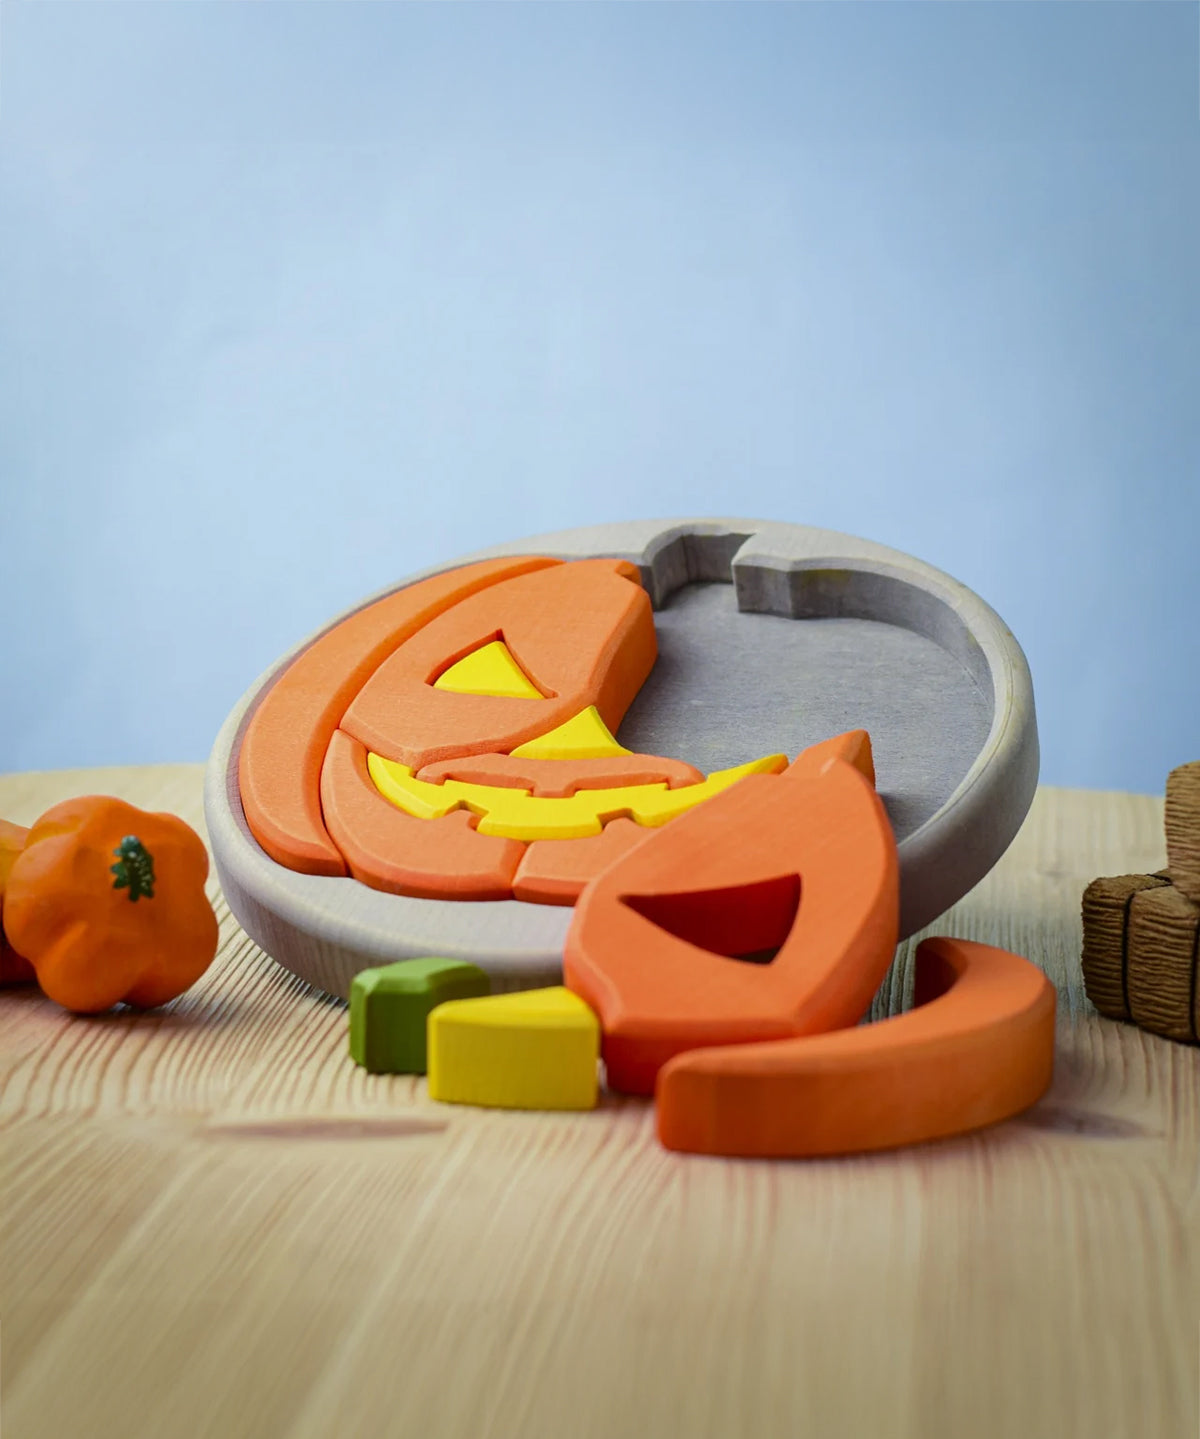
(654,802)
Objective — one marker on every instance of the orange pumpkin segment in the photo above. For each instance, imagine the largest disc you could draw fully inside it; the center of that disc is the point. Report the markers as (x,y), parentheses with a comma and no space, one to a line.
(801,865)
(977,1049)
(583,632)
(279,767)
(854,747)
(13,969)
(387,849)
(556,871)
(107,903)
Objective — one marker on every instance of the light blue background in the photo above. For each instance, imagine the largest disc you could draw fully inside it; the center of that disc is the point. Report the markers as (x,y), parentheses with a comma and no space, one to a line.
(296,299)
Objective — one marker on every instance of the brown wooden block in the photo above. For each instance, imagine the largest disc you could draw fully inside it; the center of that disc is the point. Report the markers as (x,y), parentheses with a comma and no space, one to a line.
(1106,905)
(1164,926)
(1183,829)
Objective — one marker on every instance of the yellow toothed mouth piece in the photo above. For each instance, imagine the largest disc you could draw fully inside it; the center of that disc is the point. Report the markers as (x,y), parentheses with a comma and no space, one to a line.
(519,814)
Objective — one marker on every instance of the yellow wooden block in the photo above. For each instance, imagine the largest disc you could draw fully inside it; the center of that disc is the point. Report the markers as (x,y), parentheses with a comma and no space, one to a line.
(583,736)
(489,670)
(537,1049)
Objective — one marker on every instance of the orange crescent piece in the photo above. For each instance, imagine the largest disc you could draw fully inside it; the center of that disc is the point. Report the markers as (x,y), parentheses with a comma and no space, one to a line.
(651,942)
(387,849)
(279,766)
(583,632)
(977,1049)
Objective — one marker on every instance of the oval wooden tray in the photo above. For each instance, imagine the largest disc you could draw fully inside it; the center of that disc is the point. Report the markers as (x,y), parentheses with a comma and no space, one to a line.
(771,637)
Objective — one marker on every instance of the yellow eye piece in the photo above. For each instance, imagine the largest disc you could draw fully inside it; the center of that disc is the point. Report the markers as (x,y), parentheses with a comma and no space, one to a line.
(489,670)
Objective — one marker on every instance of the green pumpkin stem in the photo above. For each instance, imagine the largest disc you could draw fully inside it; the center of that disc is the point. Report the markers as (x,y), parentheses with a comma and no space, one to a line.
(134,868)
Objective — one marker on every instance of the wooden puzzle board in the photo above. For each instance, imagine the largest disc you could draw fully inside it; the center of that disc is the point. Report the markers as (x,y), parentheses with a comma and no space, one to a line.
(771,637)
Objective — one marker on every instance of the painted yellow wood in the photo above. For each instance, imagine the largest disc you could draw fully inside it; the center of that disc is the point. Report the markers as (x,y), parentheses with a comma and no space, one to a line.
(212,1222)
(489,670)
(536,1049)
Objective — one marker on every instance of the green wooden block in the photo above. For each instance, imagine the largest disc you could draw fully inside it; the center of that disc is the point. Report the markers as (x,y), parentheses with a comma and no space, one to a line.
(389,1007)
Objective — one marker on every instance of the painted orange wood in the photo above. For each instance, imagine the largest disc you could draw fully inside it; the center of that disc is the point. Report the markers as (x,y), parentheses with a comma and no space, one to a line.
(802,862)
(583,632)
(442,858)
(107,903)
(284,745)
(556,871)
(854,747)
(977,1048)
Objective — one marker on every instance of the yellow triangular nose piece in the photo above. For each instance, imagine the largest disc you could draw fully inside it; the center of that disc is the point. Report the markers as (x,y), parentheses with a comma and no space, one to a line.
(583,736)
(489,670)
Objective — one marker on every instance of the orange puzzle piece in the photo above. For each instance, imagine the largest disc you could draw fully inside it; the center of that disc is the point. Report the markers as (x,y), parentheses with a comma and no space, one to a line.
(583,632)
(797,871)
(556,871)
(978,1047)
(283,749)
(444,858)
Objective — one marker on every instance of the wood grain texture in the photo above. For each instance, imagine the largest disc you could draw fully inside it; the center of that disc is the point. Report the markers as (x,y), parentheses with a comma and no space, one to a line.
(215,1224)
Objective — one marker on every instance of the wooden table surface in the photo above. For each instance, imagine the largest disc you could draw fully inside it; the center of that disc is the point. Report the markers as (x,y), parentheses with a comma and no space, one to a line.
(216,1224)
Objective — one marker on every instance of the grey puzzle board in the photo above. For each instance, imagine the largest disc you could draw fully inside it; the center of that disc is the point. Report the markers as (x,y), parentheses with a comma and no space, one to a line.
(771,637)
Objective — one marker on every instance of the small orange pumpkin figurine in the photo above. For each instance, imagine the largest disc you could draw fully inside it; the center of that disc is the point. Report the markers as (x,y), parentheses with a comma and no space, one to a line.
(107,904)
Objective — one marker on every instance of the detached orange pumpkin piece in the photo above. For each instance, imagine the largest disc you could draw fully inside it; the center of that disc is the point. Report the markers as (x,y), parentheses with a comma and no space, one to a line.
(977,1048)
(107,904)
(665,944)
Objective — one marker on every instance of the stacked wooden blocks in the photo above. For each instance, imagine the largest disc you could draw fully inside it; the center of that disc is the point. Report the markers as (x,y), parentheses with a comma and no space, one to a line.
(1141,932)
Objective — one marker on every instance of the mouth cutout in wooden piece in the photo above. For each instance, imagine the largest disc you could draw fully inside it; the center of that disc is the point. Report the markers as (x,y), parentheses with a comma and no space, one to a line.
(802,864)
